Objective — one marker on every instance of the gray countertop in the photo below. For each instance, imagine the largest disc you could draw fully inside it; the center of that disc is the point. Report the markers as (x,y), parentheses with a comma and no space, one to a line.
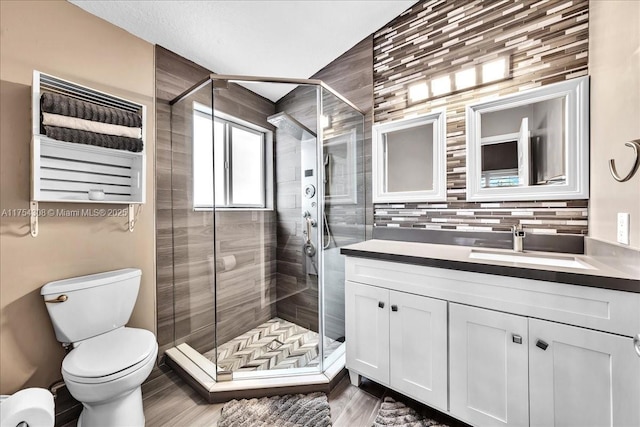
(458,258)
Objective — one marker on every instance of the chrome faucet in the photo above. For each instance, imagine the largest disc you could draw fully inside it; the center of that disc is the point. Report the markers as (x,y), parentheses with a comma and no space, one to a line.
(518,237)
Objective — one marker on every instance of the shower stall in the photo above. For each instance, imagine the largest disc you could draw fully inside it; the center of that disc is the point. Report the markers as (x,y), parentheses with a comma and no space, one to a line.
(263,195)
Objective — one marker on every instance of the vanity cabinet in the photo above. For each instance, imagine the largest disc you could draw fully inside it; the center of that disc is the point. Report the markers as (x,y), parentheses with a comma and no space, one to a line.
(515,352)
(488,363)
(399,340)
(367,325)
(580,377)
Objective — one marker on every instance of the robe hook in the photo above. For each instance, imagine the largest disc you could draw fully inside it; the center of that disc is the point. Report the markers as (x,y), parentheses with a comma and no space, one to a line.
(635,145)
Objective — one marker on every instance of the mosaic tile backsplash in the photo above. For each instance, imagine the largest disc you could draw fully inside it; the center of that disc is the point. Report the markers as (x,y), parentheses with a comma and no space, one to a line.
(547,42)
(551,217)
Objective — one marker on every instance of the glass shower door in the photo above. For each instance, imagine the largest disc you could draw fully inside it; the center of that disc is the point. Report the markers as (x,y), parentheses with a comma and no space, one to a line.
(267,301)
(343,217)
(192,236)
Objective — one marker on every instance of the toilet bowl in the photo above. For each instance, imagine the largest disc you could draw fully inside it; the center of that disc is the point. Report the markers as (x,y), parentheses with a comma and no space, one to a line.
(108,363)
(105,374)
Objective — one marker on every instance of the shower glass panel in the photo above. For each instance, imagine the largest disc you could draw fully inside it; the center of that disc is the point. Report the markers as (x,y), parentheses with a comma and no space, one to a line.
(343,215)
(192,190)
(264,195)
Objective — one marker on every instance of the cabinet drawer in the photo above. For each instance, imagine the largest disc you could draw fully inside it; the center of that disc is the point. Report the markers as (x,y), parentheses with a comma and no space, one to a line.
(593,308)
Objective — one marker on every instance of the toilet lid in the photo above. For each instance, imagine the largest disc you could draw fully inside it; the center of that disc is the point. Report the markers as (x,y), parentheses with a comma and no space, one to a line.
(108,353)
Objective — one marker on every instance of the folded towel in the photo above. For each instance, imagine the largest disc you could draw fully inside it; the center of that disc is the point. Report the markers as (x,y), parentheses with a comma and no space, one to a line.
(49,119)
(59,104)
(91,138)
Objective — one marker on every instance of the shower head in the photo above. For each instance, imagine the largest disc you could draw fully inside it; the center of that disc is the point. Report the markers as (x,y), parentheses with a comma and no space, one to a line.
(291,126)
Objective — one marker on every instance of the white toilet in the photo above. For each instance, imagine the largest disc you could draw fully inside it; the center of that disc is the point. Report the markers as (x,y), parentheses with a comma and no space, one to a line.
(109,361)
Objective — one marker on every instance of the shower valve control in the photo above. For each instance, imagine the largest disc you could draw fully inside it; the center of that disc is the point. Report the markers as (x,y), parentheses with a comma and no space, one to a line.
(309,249)
(309,191)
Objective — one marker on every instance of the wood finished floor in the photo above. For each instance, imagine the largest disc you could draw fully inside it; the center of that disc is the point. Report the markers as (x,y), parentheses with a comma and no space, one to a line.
(169,401)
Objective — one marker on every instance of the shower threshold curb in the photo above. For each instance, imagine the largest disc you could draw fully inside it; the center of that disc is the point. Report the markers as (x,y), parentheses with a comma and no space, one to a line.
(216,392)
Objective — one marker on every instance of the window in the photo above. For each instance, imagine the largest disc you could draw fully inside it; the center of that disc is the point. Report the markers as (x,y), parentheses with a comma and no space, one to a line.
(236,153)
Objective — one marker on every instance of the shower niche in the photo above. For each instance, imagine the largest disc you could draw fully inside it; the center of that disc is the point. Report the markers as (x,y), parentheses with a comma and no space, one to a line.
(264,193)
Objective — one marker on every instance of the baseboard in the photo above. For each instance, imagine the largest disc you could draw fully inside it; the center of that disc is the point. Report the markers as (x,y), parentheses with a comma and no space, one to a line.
(67,408)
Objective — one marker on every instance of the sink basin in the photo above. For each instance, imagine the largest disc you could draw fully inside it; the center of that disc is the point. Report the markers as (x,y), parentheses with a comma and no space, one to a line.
(531,258)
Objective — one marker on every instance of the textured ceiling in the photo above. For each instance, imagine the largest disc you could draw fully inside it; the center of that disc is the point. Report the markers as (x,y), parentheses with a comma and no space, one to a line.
(271,38)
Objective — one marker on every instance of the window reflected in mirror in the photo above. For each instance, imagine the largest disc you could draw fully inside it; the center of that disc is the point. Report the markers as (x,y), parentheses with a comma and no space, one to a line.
(532,145)
(524,146)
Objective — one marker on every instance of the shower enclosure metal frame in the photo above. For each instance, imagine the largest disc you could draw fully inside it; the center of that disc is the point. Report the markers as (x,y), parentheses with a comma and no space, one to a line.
(316,218)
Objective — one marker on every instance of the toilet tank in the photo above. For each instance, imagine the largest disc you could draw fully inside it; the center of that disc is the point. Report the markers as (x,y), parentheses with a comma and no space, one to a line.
(91,305)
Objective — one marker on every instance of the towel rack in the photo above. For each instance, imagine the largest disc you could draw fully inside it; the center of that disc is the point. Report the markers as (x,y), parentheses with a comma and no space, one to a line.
(635,145)
(79,173)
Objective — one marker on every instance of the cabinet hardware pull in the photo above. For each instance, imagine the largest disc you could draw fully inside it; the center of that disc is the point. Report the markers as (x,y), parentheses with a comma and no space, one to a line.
(516,339)
(61,298)
(541,344)
(394,307)
(636,343)
(380,304)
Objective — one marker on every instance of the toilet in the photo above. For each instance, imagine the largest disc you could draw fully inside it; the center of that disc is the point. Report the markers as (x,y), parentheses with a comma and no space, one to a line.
(108,362)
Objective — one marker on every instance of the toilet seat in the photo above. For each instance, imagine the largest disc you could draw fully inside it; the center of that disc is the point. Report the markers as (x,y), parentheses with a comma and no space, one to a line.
(110,356)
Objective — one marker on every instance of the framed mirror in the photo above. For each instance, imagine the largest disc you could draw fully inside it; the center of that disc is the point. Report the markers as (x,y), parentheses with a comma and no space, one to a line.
(532,145)
(409,159)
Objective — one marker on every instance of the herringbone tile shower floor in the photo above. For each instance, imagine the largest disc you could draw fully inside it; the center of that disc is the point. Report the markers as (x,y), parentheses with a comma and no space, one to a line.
(275,344)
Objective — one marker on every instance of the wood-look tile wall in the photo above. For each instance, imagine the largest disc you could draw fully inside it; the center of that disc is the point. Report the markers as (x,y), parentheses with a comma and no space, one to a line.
(547,42)
(247,294)
(297,291)
(350,75)
(186,301)
(173,76)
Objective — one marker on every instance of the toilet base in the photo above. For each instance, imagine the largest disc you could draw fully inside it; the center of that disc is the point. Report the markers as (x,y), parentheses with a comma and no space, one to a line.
(125,410)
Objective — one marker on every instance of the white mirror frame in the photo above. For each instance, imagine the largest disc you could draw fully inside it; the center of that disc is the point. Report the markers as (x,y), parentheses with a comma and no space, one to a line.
(576,92)
(439,161)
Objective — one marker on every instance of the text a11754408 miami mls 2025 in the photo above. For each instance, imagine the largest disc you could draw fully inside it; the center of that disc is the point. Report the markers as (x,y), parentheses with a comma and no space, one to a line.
(84,212)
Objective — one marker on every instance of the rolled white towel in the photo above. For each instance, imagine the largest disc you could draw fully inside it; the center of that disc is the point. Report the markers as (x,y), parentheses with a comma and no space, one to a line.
(49,119)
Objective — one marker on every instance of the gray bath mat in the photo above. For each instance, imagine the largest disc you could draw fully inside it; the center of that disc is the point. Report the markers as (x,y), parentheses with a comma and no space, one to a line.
(394,413)
(292,410)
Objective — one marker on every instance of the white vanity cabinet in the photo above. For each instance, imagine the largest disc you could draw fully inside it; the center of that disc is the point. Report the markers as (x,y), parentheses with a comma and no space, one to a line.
(488,363)
(580,377)
(367,323)
(399,340)
(513,351)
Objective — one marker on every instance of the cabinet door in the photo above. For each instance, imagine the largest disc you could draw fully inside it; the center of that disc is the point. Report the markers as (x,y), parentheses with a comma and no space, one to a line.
(367,331)
(582,377)
(488,367)
(418,353)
